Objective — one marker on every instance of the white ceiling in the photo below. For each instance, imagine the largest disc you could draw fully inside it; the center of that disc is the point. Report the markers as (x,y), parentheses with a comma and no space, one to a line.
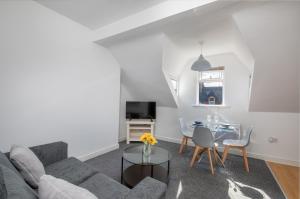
(98,13)
(221,36)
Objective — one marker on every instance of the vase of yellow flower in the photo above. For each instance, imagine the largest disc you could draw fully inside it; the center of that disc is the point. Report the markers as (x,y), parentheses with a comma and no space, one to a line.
(148,139)
(147,150)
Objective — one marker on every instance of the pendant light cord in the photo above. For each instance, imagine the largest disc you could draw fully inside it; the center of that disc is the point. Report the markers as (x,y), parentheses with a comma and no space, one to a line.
(201,44)
(201,49)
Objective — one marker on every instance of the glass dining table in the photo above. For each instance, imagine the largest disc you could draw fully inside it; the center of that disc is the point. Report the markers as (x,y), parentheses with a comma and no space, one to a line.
(222,130)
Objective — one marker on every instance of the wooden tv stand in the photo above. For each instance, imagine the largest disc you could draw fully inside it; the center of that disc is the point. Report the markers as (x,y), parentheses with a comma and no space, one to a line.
(135,128)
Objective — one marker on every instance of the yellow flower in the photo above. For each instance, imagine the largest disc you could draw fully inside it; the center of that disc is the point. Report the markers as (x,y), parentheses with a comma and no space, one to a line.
(148,138)
(143,138)
(148,135)
(152,141)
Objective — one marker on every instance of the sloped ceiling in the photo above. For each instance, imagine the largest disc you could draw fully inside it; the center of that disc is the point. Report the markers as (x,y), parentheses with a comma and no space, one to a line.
(263,35)
(141,69)
(97,13)
(272,33)
(220,36)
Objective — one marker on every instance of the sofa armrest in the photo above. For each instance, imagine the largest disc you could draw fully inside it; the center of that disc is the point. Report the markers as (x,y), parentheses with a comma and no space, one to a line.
(148,188)
(51,153)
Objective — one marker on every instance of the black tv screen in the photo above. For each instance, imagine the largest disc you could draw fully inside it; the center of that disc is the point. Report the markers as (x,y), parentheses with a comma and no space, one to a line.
(140,110)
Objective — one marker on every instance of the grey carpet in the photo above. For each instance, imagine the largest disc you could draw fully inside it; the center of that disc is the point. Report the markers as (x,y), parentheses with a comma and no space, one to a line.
(231,182)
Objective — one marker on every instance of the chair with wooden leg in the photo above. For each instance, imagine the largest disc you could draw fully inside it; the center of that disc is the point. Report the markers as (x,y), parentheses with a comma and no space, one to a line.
(187,134)
(204,142)
(238,144)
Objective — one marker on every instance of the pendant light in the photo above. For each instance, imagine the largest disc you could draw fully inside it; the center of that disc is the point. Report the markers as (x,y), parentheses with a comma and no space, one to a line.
(201,64)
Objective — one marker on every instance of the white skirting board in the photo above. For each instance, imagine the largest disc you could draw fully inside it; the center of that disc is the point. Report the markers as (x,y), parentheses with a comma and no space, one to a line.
(98,152)
(121,139)
(253,155)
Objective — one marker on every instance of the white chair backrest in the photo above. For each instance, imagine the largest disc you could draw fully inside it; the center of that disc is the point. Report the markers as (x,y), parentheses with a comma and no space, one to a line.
(247,135)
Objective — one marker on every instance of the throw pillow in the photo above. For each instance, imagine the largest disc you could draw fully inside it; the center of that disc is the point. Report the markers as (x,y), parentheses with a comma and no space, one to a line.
(14,185)
(55,188)
(31,168)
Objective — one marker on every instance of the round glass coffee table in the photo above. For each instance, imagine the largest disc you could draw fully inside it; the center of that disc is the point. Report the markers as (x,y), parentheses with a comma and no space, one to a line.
(142,166)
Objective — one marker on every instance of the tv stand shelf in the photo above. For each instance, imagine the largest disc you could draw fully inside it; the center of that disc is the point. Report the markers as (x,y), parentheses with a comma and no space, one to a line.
(136,128)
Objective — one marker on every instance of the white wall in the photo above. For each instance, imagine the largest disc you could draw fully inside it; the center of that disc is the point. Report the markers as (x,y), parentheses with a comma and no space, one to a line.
(55,84)
(142,76)
(276,50)
(299,106)
(125,96)
(283,126)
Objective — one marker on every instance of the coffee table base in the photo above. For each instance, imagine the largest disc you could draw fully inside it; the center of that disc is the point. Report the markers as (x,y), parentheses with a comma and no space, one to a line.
(136,173)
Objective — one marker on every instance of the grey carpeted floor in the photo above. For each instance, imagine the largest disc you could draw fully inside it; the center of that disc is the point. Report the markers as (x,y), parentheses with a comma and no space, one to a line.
(231,182)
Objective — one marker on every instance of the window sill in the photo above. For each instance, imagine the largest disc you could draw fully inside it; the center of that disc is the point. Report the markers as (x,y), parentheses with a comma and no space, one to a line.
(211,105)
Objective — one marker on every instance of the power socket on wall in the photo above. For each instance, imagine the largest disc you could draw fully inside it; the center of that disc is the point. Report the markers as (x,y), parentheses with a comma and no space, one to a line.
(272,140)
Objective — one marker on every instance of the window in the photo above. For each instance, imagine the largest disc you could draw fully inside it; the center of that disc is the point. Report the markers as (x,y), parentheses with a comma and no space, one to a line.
(174,83)
(210,88)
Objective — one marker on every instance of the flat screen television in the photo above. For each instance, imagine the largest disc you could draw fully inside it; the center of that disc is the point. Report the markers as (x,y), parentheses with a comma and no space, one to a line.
(140,110)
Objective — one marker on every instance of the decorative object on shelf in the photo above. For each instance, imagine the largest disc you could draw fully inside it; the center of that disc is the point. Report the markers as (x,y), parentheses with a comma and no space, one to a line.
(148,139)
(201,64)
(211,100)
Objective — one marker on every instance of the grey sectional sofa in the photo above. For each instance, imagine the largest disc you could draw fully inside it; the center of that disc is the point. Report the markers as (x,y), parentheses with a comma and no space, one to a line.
(55,159)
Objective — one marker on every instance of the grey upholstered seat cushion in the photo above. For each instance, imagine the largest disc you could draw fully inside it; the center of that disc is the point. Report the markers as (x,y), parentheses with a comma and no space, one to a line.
(71,170)
(104,187)
(15,186)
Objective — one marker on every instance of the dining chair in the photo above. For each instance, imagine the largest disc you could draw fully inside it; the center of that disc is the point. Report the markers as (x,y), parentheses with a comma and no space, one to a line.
(240,144)
(187,134)
(204,142)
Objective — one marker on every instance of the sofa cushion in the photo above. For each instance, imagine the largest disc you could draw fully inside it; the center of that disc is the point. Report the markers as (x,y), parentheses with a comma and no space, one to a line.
(51,153)
(55,188)
(104,187)
(31,168)
(71,170)
(5,162)
(148,188)
(15,186)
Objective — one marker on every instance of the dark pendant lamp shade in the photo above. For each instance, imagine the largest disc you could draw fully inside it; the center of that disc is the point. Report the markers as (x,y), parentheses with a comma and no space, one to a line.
(201,64)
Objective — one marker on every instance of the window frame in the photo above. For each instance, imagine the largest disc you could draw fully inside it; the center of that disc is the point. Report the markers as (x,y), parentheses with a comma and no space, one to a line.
(198,74)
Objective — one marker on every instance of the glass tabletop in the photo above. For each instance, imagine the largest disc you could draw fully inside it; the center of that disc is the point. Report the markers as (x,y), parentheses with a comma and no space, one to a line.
(220,128)
(134,154)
